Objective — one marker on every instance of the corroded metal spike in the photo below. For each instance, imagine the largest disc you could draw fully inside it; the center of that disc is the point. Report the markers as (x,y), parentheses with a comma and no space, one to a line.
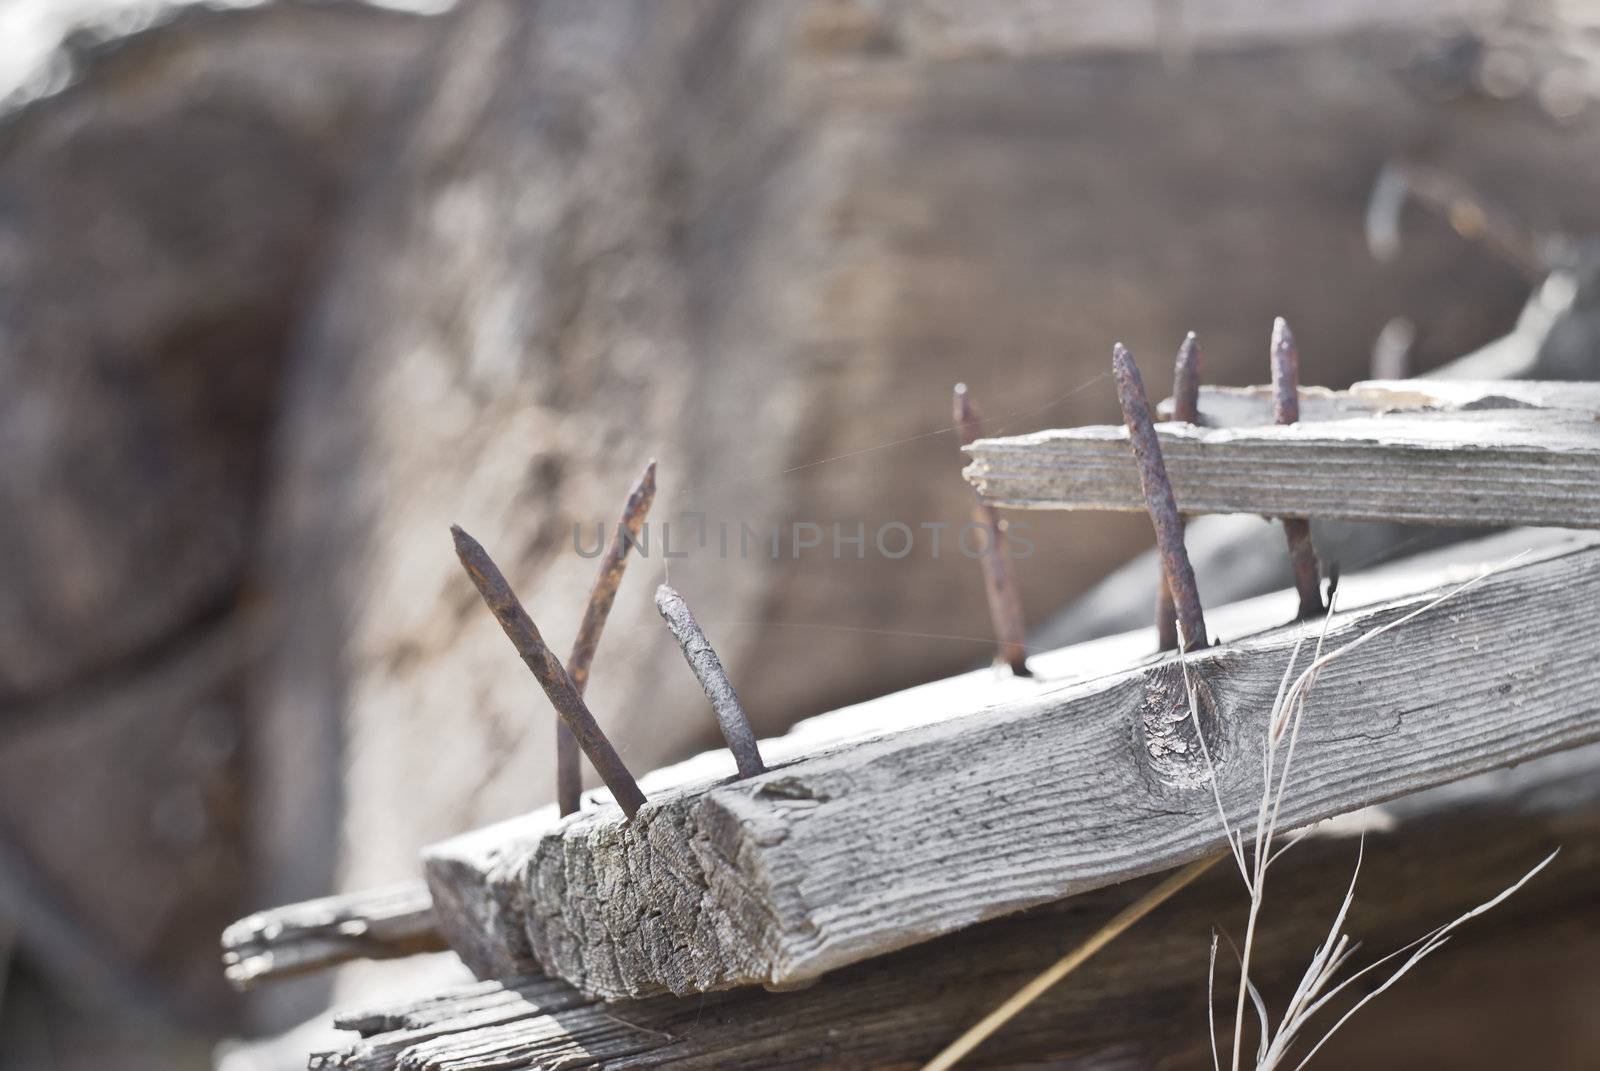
(999,578)
(547,669)
(707,667)
(569,777)
(1297,530)
(1185,408)
(1163,508)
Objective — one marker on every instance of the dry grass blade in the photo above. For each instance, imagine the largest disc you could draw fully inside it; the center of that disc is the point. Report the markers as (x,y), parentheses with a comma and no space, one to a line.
(1031,992)
(1211,1003)
(1317,986)
(1433,942)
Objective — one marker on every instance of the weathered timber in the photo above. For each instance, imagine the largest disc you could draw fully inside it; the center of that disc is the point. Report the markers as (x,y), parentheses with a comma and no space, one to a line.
(476,883)
(1243,407)
(1139,1001)
(382,923)
(1016,792)
(1496,467)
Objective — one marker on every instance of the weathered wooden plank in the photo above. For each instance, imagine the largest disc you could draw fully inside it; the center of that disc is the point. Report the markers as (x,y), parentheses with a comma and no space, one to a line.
(1005,794)
(386,923)
(1428,857)
(476,884)
(1246,407)
(1499,467)
(1478,394)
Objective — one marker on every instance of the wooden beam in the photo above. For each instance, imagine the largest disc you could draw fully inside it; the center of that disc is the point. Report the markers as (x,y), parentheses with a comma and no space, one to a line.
(1246,407)
(1428,858)
(476,883)
(981,796)
(384,923)
(1495,467)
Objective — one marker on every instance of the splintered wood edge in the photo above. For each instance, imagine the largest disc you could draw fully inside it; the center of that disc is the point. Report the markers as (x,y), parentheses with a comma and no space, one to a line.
(1434,853)
(384,923)
(1471,468)
(859,850)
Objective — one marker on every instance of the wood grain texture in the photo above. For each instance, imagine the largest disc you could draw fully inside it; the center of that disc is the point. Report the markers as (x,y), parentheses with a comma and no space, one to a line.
(994,795)
(1139,1003)
(1498,467)
(475,880)
(374,924)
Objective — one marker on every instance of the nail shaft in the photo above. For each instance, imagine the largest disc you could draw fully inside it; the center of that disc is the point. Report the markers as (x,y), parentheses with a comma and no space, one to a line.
(707,667)
(1163,507)
(547,669)
(1286,410)
(999,578)
(1185,409)
(569,776)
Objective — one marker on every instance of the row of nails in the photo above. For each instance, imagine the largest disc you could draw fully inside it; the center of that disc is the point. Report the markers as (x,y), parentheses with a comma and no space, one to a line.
(564,685)
(1179,618)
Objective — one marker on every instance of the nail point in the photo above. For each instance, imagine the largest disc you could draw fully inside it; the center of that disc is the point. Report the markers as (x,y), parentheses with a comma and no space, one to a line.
(1282,336)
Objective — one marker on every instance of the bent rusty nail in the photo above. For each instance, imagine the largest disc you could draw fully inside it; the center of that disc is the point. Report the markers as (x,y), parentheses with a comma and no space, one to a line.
(999,578)
(1185,408)
(707,667)
(1159,501)
(1286,410)
(569,778)
(547,669)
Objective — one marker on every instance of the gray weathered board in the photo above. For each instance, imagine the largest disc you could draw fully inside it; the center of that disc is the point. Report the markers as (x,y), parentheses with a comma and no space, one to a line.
(1480,458)
(1428,858)
(922,813)
(1240,407)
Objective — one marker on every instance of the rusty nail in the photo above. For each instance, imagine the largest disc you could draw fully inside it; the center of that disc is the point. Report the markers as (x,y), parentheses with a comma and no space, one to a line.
(1286,410)
(707,667)
(1163,507)
(1186,381)
(999,578)
(547,669)
(569,778)
(1185,408)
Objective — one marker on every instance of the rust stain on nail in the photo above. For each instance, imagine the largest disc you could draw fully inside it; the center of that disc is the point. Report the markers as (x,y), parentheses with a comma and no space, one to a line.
(1186,409)
(547,670)
(569,777)
(999,577)
(1286,410)
(1159,501)
(707,668)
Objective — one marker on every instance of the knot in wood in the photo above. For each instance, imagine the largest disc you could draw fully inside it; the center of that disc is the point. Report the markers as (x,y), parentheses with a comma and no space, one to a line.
(1166,727)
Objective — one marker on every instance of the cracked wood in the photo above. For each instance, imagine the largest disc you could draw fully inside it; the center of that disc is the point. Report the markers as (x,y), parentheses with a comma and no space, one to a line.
(923,813)
(1428,857)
